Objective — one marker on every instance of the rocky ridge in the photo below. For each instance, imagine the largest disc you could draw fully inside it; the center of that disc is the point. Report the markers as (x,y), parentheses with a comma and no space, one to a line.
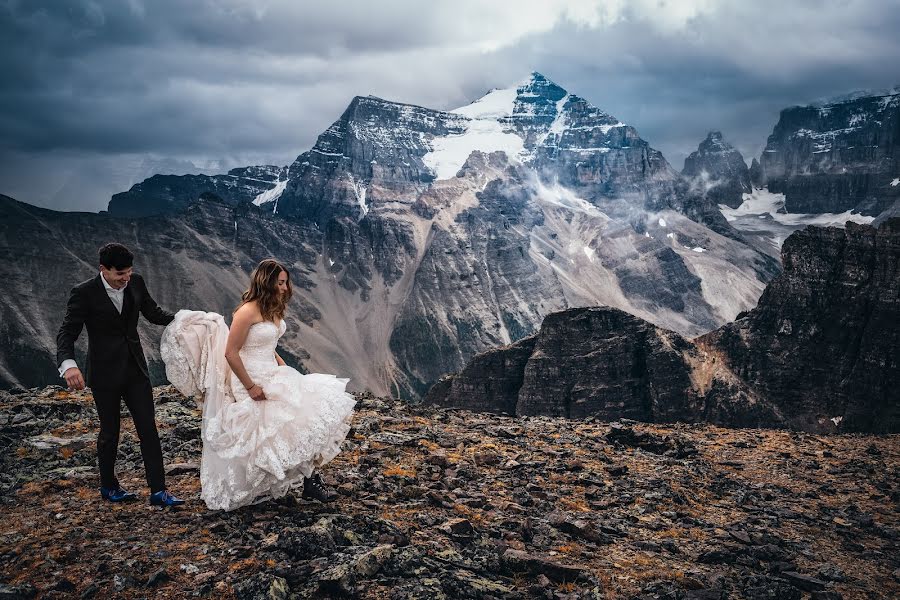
(817,353)
(822,342)
(167,194)
(451,504)
(836,157)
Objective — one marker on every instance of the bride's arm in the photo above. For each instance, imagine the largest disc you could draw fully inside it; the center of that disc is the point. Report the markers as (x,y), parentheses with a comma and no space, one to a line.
(279,360)
(243,319)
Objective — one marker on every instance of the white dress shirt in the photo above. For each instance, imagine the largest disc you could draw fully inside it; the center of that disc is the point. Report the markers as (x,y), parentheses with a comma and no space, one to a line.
(117,297)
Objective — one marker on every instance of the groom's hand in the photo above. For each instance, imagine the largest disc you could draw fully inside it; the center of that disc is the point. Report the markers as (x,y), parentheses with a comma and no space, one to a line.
(74,379)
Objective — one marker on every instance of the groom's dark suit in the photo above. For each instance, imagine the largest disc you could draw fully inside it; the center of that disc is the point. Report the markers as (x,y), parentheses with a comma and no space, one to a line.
(116,368)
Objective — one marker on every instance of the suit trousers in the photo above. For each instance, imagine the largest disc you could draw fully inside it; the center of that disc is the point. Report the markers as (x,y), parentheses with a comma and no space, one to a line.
(138,395)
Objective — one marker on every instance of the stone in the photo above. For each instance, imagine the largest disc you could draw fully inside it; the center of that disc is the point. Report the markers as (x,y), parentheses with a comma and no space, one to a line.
(804,582)
(459,528)
(262,586)
(183,468)
(157,577)
(518,561)
(23,591)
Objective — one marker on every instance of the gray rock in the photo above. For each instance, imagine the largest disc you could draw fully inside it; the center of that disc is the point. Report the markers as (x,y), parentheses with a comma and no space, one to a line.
(518,561)
(262,586)
(24,591)
(719,170)
(836,157)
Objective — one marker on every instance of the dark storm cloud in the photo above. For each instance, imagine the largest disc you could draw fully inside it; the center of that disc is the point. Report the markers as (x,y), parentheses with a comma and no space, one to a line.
(124,87)
(733,69)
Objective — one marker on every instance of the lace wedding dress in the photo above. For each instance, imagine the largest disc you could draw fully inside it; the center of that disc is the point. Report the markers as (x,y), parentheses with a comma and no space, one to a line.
(253,449)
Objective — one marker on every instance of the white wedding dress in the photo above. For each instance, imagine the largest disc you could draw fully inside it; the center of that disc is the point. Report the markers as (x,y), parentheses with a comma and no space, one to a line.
(253,450)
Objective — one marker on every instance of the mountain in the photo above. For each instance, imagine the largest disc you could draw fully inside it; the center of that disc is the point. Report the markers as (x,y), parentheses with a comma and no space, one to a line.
(836,157)
(720,169)
(823,340)
(420,238)
(167,194)
(818,353)
(604,363)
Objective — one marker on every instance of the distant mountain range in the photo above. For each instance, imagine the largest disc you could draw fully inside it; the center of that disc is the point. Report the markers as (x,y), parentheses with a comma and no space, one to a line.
(419,237)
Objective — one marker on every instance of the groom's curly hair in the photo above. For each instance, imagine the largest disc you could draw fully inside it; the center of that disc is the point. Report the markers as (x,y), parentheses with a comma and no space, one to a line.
(264,289)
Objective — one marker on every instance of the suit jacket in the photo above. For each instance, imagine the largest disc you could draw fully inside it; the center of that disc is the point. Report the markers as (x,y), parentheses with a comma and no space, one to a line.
(112,337)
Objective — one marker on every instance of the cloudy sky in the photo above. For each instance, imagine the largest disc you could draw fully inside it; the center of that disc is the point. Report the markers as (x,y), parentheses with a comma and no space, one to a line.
(99,94)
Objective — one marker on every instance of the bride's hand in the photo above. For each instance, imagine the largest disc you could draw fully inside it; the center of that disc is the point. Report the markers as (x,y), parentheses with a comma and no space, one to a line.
(256,393)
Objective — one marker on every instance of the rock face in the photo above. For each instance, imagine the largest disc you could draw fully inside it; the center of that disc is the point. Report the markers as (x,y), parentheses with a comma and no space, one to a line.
(836,157)
(818,353)
(823,340)
(168,194)
(720,170)
(607,364)
(756,174)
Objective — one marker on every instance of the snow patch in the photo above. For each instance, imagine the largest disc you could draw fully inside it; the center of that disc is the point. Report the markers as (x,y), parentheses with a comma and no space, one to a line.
(895,182)
(563,197)
(662,222)
(559,123)
(590,253)
(698,249)
(449,153)
(764,204)
(494,104)
(359,188)
(272,194)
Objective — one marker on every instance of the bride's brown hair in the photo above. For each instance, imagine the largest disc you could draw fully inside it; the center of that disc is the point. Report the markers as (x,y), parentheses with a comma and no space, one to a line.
(264,290)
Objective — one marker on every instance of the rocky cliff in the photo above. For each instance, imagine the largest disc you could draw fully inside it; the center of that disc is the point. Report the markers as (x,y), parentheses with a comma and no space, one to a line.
(168,194)
(607,364)
(823,341)
(819,352)
(719,170)
(836,157)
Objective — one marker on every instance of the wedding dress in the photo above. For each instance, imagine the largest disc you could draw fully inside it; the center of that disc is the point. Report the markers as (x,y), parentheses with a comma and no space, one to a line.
(253,449)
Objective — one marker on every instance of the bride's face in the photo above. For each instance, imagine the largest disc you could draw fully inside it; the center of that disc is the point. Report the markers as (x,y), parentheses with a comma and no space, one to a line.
(282,283)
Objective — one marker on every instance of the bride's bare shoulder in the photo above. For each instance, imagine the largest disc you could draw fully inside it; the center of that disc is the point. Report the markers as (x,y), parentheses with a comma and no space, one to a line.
(248,311)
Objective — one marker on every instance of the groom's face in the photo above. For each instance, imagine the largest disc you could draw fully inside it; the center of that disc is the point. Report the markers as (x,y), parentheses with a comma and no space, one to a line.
(116,277)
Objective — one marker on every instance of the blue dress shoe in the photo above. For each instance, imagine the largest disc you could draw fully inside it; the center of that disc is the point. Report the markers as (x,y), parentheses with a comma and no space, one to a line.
(164,498)
(116,494)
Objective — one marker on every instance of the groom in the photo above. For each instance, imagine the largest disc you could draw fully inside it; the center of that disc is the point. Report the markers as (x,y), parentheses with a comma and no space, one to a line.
(108,305)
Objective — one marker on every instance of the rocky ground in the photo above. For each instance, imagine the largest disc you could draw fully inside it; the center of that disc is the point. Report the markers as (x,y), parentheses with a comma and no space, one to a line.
(450,504)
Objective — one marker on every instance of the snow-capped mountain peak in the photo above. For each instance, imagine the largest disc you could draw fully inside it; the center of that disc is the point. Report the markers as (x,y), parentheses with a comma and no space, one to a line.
(522,119)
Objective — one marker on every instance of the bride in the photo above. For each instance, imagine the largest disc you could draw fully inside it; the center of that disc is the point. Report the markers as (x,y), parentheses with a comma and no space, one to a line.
(265,426)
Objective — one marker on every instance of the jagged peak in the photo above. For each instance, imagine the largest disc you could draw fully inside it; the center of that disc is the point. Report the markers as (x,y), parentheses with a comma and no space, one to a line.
(368,102)
(501,102)
(714,142)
